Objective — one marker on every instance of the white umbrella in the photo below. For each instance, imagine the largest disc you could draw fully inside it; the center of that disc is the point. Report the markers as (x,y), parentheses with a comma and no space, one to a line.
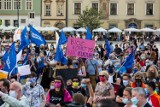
(132,30)
(81,30)
(51,28)
(9,28)
(115,30)
(68,29)
(2,27)
(158,30)
(38,28)
(147,30)
(100,30)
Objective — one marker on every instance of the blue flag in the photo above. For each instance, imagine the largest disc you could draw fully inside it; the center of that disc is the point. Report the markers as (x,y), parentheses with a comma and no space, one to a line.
(63,38)
(108,48)
(36,37)
(26,58)
(10,59)
(88,35)
(24,39)
(59,53)
(129,61)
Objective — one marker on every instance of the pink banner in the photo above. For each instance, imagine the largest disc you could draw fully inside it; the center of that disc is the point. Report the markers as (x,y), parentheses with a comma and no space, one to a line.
(80,47)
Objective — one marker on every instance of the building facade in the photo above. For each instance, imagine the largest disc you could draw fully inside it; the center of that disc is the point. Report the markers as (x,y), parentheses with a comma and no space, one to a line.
(23,11)
(54,13)
(119,13)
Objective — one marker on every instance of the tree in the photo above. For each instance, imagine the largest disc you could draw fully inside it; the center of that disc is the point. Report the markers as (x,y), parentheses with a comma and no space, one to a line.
(90,17)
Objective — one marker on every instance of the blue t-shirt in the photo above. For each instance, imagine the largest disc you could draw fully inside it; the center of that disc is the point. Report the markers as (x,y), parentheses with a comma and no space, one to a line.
(91,66)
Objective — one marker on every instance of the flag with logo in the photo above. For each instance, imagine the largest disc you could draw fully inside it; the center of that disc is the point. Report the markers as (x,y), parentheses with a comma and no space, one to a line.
(59,53)
(24,42)
(10,59)
(36,37)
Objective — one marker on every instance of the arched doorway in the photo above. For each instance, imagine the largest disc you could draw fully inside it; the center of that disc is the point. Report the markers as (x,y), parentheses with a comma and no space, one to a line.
(59,25)
(132,25)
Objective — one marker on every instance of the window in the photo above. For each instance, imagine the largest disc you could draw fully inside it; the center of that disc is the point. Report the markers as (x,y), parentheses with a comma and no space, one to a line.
(48,9)
(95,6)
(113,9)
(149,26)
(0,4)
(23,20)
(77,8)
(112,26)
(60,9)
(29,4)
(17,4)
(15,23)
(130,9)
(31,15)
(149,9)
(7,22)
(7,4)
(0,22)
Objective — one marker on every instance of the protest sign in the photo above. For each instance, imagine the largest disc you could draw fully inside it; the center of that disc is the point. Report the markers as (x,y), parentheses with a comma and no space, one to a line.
(80,48)
(24,70)
(3,74)
(67,73)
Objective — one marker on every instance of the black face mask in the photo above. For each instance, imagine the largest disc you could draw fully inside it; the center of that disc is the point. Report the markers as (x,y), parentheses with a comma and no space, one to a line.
(138,82)
(32,85)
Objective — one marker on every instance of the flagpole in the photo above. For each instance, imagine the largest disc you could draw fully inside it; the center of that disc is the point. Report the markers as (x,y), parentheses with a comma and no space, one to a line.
(9,74)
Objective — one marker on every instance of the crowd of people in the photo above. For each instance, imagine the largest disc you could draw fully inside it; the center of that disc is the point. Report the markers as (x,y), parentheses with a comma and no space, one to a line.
(100,82)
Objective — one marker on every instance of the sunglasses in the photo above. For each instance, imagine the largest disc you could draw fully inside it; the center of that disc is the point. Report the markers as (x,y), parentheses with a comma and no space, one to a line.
(101,75)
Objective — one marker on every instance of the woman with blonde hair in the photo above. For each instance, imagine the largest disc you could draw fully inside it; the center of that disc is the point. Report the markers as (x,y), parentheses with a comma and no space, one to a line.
(138,80)
(152,74)
(104,89)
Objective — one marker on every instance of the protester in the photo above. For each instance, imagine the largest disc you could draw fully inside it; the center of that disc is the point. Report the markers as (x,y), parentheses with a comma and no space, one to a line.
(15,97)
(104,89)
(59,95)
(4,87)
(154,98)
(139,97)
(33,91)
(76,87)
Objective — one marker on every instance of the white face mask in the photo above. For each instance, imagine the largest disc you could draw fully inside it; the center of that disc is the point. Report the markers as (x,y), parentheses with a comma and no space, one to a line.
(51,87)
(125,100)
(125,82)
(13,94)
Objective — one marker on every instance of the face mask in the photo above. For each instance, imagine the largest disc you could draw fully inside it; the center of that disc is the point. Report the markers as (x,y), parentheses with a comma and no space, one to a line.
(83,85)
(19,64)
(113,61)
(150,62)
(57,84)
(147,64)
(142,57)
(51,87)
(138,82)
(146,91)
(2,49)
(75,84)
(157,90)
(102,79)
(134,100)
(125,82)
(13,94)
(125,100)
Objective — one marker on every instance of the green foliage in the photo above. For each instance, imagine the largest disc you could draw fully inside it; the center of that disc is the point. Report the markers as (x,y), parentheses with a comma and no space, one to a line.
(90,17)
